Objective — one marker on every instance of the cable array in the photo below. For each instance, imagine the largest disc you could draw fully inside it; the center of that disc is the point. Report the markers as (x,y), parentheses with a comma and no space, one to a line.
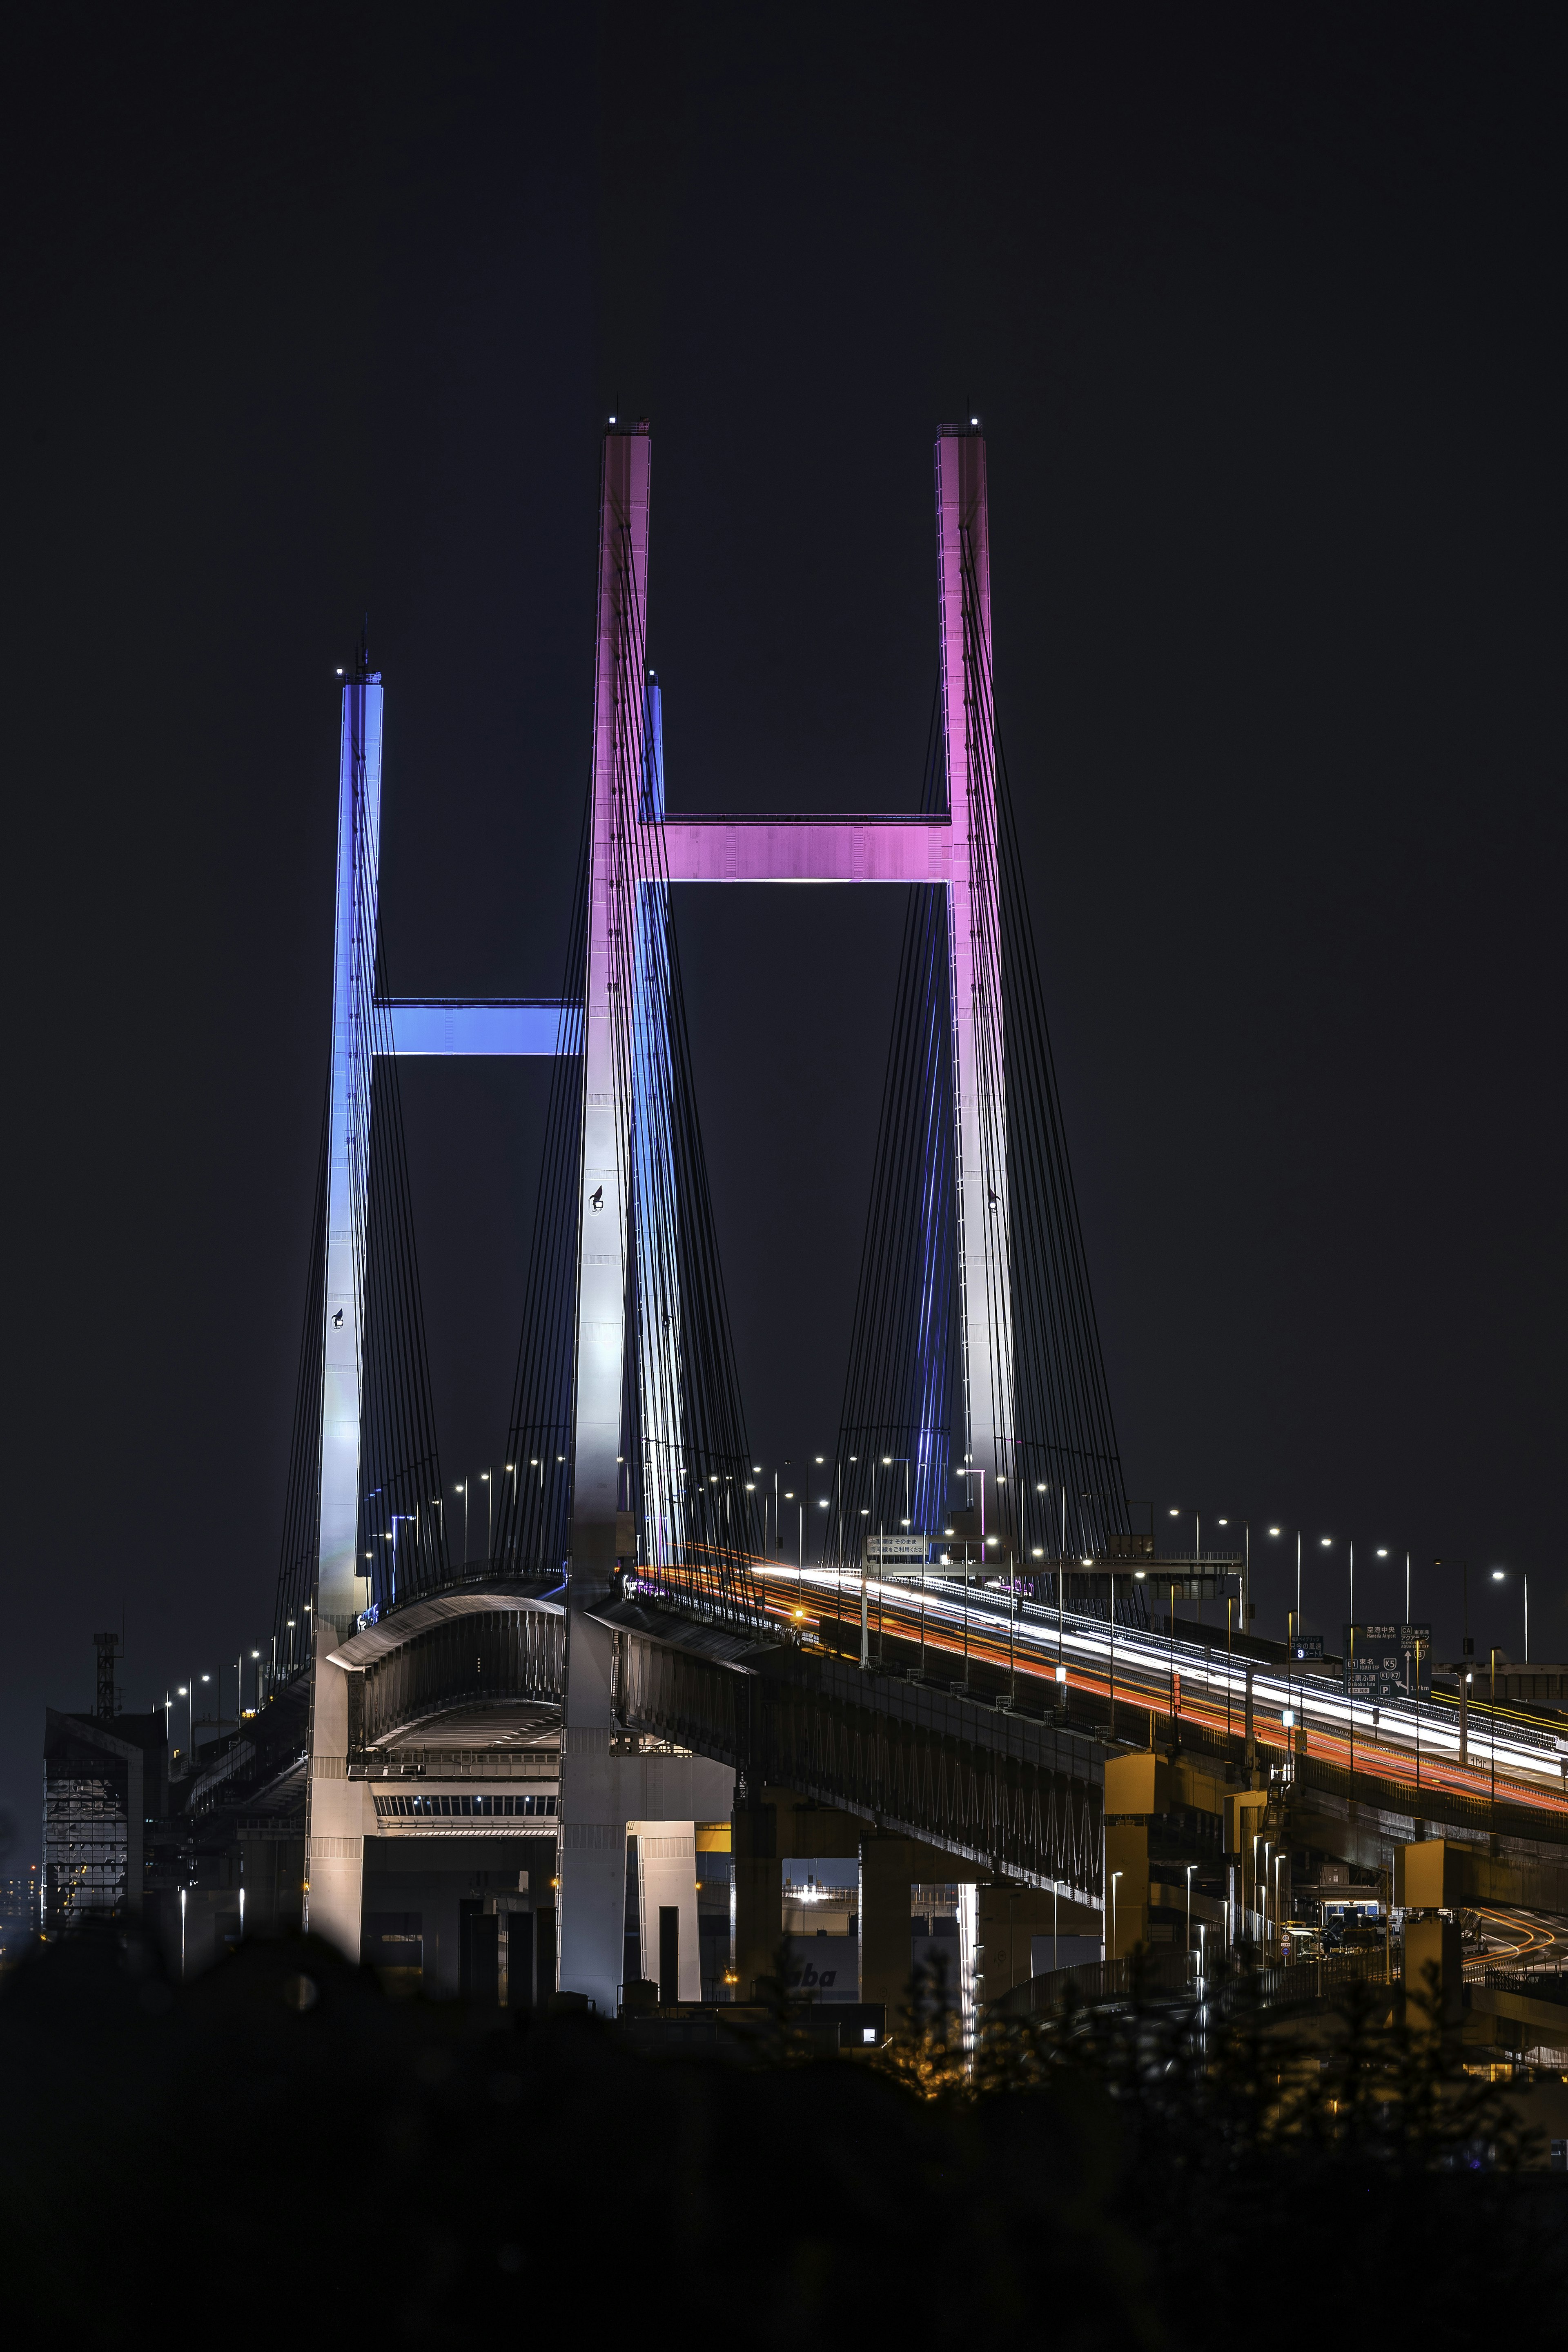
(686,1464)
(1060,1494)
(1067,1464)
(403,1546)
(895,1441)
(534,1516)
(301,1504)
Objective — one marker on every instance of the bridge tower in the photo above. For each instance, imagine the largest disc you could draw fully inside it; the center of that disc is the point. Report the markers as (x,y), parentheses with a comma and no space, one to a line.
(636,851)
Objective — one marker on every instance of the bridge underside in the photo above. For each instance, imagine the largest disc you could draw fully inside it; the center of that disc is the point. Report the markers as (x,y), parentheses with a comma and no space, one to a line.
(455,1709)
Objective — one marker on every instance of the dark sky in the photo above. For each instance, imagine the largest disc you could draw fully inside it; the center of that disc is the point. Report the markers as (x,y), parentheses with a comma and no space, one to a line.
(313,313)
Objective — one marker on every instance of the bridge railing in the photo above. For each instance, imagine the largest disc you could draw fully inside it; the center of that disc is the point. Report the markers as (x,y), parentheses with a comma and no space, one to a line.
(1424,1803)
(1535,1984)
(1387,1791)
(1165,1976)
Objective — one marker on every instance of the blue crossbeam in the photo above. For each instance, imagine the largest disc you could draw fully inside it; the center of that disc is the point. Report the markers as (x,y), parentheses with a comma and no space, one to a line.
(492,1024)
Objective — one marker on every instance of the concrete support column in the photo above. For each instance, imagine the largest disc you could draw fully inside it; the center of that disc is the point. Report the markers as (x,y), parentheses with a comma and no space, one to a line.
(759,1894)
(1434,1974)
(339,1810)
(667,1882)
(1010,1917)
(1126,1917)
(887,1874)
(594,1816)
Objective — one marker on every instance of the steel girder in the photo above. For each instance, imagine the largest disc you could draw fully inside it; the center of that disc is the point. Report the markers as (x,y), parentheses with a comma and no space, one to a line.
(993,1787)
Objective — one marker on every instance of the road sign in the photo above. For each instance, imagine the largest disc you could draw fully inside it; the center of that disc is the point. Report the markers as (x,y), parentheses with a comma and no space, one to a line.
(1307,1645)
(883,1551)
(1374,1662)
(1415,1645)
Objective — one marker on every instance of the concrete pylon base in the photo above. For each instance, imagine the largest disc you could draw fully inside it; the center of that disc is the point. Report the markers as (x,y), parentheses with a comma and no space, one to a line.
(601,1796)
(338,1813)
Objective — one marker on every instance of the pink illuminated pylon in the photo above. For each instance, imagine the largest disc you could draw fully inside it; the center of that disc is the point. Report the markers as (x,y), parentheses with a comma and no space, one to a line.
(957,849)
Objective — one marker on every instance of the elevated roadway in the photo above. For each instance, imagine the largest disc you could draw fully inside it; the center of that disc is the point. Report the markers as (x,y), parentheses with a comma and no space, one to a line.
(1156,1681)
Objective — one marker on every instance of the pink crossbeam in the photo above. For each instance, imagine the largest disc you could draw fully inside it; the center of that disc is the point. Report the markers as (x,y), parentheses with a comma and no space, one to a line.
(809,848)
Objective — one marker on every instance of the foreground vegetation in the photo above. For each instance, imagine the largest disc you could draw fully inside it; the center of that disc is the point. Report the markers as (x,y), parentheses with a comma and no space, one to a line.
(286,2150)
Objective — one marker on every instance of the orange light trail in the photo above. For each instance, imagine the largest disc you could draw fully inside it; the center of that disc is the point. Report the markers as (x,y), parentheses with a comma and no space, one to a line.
(799,1605)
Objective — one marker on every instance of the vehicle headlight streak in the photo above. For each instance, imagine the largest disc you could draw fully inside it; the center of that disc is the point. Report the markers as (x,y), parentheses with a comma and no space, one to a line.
(1143,1664)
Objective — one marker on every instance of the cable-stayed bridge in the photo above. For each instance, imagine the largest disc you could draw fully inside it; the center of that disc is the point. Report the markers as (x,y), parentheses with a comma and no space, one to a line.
(974,1361)
(627,1657)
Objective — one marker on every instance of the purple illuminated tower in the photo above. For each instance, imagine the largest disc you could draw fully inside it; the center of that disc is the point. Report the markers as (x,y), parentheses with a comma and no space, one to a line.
(636,852)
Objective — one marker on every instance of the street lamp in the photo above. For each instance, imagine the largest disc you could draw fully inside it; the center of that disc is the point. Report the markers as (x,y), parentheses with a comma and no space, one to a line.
(1189,1867)
(1500,1576)
(1295,1618)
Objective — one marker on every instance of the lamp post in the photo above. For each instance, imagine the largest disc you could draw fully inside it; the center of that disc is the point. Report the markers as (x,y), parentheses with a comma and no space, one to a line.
(1468,1646)
(865,1612)
(1276,1533)
(889,1462)
(1268,1850)
(1246,1564)
(408,1519)
(1189,1867)
(1114,1877)
(967,1471)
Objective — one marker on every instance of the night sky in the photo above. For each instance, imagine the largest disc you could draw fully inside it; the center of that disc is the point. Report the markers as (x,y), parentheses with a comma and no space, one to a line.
(320,313)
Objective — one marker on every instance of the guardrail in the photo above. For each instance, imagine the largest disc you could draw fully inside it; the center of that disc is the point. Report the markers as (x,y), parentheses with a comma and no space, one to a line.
(1167,1976)
(1425,1803)
(1543,1984)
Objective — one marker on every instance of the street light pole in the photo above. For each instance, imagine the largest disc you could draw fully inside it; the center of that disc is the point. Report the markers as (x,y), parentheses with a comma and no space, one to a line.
(890,1461)
(1268,1850)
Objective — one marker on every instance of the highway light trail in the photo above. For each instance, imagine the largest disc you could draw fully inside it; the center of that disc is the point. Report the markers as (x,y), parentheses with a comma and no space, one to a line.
(1527,1762)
